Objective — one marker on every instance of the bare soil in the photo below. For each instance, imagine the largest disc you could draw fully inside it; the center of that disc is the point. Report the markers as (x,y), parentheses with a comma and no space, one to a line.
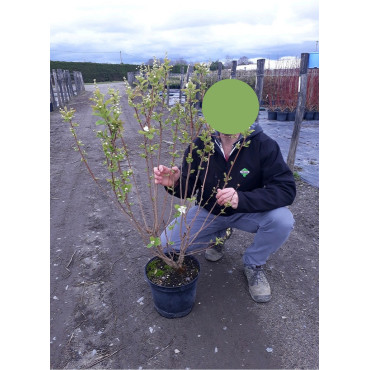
(159,273)
(102,315)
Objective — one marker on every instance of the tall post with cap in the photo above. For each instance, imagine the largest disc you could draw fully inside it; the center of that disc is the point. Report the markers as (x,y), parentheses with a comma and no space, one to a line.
(302,91)
(233,69)
(259,81)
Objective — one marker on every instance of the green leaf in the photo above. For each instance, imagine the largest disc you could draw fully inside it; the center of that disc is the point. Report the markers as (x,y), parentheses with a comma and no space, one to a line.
(100,122)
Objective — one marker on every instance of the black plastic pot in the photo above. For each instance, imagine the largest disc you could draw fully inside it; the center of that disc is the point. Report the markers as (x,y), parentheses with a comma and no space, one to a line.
(316,116)
(291,116)
(308,116)
(281,116)
(174,302)
(271,115)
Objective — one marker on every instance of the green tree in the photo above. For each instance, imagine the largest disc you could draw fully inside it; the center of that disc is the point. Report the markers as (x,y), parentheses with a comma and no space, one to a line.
(214,66)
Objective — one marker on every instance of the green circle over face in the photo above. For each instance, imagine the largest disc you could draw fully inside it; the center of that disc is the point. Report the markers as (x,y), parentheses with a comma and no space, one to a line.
(230,106)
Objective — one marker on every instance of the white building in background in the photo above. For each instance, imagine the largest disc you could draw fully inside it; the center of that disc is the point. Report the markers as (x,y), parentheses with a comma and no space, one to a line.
(270,63)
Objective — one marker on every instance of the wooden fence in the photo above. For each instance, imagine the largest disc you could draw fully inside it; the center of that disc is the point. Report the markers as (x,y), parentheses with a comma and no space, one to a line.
(213,76)
(63,86)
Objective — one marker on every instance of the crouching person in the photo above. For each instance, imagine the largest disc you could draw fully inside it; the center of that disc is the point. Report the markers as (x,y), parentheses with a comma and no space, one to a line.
(260,188)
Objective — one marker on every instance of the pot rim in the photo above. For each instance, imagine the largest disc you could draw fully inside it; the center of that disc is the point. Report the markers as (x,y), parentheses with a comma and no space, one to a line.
(172,287)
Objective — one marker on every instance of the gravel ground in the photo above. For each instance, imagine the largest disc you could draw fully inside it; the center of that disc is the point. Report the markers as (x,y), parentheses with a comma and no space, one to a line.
(307,155)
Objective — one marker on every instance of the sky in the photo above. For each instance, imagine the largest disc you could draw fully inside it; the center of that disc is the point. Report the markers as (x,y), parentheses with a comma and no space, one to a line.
(196,31)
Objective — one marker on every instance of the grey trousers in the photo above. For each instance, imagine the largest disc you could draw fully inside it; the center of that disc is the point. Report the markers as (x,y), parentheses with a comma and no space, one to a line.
(272,229)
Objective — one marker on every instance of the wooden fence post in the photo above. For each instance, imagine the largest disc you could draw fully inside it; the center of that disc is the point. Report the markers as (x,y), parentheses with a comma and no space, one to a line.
(302,91)
(82,81)
(219,71)
(69,81)
(66,83)
(259,79)
(65,86)
(75,79)
(130,78)
(52,97)
(197,95)
(168,89)
(259,82)
(233,69)
(62,100)
(55,78)
(181,82)
(189,73)
(61,85)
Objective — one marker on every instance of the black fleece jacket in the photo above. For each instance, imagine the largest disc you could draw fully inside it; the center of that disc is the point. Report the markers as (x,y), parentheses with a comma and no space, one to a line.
(260,175)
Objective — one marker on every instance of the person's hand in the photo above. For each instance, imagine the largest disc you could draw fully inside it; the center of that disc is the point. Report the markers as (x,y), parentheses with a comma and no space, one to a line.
(166,176)
(227,195)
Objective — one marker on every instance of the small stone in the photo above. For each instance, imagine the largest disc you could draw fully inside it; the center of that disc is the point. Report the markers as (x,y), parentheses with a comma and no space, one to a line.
(140,300)
(268,349)
(177,351)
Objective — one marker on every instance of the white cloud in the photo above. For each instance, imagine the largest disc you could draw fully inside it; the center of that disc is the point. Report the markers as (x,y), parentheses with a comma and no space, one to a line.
(199,29)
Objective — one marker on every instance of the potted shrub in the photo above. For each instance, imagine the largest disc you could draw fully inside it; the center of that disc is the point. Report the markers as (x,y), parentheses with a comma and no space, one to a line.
(281,94)
(269,93)
(316,112)
(164,133)
(286,87)
(315,104)
(312,97)
(292,93)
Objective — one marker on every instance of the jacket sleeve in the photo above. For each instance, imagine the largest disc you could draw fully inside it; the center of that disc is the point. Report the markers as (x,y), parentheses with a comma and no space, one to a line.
(278,189)
(179,189)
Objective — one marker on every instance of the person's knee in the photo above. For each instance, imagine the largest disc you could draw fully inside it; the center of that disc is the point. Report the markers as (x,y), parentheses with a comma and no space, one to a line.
(282,219)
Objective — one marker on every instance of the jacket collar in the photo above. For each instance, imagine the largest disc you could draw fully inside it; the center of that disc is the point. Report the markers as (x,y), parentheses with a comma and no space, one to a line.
(216,137)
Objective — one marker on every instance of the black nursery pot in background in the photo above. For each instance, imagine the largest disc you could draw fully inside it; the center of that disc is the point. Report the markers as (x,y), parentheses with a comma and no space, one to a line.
(281,116)
(271,115)
(291,116)
(174,302)
(308,116)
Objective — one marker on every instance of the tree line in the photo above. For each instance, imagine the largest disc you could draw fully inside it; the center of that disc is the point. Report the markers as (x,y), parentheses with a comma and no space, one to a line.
(106,72)
(101,72)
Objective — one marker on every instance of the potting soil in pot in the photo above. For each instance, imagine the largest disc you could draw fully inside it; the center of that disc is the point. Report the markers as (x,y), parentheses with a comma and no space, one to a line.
(161,274)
